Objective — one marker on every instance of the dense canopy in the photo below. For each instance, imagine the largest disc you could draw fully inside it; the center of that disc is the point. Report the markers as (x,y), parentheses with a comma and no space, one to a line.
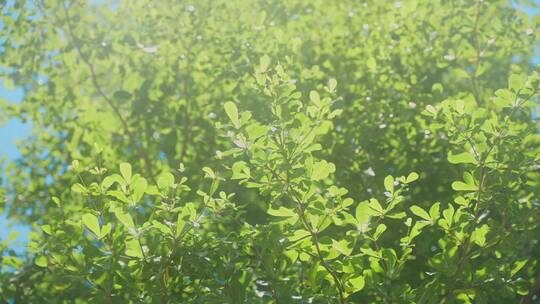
(249,151)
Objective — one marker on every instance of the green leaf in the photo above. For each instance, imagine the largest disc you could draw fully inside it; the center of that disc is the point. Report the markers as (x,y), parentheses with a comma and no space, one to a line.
(461,186)
(232,112)
(420,212)
(389,183)
(264,63)
(461,158)
(357,283)
(362,213)
(434,211)
(332,84)
(411,177)
(139,186)
(92,223)
(209,173)
(105,230)
(165,180)
(370,252)
(162,227)
(342,247)
(315,98)
(239,170)
(133,249)
(124,218)
(41,261)
(108,182)
(125,170)
(504,98)
(46,229)
(56,201)
(79,188)
(468,177)
(75,165)
(322,170)
(376,206)
(518,265)
(282,212)
(298,235)
(448,214)
(397,215)
(379,231)
(460,200)
(516,81)
(479,235)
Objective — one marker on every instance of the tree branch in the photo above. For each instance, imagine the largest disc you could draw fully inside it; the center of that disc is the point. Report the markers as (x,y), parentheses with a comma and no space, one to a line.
(85,58)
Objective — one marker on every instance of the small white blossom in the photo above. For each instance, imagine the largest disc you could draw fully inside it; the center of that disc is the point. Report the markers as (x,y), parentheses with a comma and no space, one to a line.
(370,171)
(450,57)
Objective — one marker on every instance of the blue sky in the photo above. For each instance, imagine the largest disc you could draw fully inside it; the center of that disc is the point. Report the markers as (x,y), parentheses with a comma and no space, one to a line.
(10,132)
(14,130)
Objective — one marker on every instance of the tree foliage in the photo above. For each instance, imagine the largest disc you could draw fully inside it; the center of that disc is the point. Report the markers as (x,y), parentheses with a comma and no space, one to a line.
(244,151)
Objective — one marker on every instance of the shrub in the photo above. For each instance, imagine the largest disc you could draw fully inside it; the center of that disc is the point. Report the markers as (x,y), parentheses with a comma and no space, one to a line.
(273,152)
